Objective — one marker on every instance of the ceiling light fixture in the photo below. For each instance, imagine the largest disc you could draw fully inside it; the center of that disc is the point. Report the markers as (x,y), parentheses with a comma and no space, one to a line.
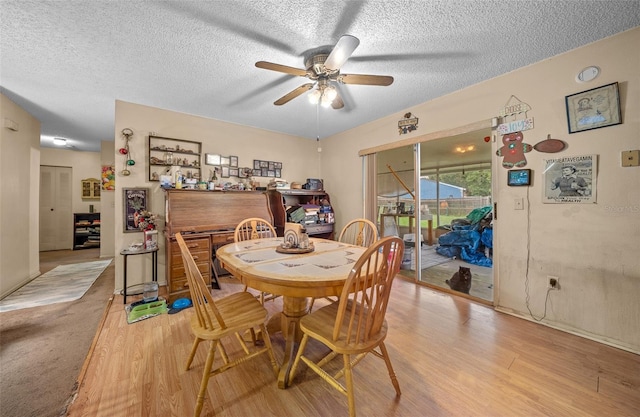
(463,149)
(59,141)
(324,94)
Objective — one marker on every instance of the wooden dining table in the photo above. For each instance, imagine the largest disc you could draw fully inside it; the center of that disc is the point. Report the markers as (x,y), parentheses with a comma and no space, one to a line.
(295,276)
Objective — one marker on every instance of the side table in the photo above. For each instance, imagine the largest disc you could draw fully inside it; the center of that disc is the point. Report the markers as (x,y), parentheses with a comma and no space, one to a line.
(154,265)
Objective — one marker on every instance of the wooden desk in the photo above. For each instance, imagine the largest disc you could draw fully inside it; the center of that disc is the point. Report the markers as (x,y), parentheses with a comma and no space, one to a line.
(296,277)
(411,218)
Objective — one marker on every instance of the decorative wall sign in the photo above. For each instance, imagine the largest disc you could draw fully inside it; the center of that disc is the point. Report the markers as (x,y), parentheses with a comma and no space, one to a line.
(595,108)
(513,108)
(570,179)
(550,145)
(516,126)
(408,124)
(136,200)
(513,150)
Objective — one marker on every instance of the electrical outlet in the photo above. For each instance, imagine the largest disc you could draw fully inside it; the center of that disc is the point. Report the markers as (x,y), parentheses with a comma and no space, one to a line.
(518,204)
(554,282)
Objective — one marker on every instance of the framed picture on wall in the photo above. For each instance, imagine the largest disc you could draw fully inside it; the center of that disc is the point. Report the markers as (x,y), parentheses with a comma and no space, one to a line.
(570,179)
(212,159)
(593,109)
(136,200)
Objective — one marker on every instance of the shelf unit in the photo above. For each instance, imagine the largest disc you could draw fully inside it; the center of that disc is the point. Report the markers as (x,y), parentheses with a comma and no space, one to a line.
(282,201)
(86,230)
(167,155)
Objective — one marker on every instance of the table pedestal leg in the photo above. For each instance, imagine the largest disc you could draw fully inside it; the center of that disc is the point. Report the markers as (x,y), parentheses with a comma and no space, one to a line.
(293,310)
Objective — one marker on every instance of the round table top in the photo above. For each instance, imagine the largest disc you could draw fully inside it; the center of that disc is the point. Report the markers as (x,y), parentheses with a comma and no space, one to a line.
(316,274)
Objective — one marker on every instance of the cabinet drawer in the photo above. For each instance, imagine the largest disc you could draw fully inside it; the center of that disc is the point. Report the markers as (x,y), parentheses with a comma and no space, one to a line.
(198,257)
(179,282)
(315,229)
(222,238)
(177,270)
(194,245)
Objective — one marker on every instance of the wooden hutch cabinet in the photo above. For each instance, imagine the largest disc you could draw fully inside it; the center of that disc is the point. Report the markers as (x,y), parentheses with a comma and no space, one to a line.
(206,220)
(281,202)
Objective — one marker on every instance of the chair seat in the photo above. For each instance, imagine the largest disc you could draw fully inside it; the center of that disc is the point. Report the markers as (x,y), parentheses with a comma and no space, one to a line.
(239,310)
(319,325)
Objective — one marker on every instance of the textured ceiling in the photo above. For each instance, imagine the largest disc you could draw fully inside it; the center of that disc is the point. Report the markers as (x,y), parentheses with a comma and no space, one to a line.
(66,62)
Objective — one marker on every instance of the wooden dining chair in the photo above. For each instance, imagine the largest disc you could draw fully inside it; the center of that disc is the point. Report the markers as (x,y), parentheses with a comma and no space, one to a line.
(355,325)
(255,228)
(361,232)
(217,319)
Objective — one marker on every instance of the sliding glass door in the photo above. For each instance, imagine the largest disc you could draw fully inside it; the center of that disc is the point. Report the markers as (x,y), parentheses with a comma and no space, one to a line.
(445,221)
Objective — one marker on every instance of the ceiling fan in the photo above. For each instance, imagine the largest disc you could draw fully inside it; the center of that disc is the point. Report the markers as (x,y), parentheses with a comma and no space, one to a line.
(324,69)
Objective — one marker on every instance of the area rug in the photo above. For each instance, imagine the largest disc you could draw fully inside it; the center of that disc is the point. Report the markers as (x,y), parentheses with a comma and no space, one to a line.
(61,284)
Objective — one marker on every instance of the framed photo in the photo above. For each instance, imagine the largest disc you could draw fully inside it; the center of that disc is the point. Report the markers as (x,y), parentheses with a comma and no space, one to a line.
(593,109)
(136,200)
(225,172)
(256,164)
(233,172)
(277,165)
(233,161)
(211,159)
(570,179)
(278,172)
(224,160)
(257,172)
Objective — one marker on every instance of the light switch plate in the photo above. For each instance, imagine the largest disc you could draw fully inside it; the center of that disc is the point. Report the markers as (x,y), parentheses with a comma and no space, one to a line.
(631,158)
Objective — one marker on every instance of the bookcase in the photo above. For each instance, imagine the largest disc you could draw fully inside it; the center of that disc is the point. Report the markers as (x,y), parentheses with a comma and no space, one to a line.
(300,203)
(86,230)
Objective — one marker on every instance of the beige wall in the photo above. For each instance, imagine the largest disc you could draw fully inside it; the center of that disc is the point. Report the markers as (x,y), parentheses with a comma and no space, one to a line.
(19,197)
(593,249)
(107,206)
(217,137)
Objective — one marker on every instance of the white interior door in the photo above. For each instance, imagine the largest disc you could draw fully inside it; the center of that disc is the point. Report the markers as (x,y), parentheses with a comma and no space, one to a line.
(56,217)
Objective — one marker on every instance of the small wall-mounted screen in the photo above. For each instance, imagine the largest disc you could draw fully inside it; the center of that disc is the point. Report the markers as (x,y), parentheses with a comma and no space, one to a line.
(516,177)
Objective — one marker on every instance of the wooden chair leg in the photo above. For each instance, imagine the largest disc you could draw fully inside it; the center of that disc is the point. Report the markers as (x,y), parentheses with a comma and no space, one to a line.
(294,367)
(205,378)
(267,342)
(194,348)
(392,374)
(348,379)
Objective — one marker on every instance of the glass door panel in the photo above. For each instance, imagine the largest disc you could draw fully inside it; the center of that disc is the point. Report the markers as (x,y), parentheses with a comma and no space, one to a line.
(395,191)
(455,185)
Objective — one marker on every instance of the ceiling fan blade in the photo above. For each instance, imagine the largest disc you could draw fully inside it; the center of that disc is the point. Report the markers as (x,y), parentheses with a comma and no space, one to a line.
(365,79)
(411,57)
(281,68)
(341,52)
(293,94)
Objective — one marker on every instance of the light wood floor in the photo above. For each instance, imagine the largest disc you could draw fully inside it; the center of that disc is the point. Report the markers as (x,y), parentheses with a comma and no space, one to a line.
(452,356)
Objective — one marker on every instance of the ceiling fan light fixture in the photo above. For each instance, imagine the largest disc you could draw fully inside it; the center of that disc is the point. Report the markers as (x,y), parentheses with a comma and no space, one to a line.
(331,93)
(59,141)
(325,101)
(314,96)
